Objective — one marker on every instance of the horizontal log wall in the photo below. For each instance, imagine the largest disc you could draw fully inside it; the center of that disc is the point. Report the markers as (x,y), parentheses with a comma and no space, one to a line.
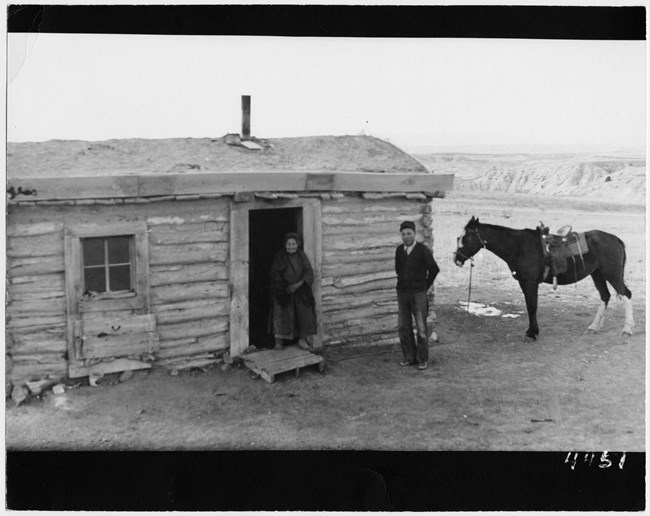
(359,303)
(189,290)
(36,303)
(190,297)
(188,282)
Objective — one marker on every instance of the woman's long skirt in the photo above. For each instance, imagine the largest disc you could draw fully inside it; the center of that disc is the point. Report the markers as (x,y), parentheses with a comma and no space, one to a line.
(294,319)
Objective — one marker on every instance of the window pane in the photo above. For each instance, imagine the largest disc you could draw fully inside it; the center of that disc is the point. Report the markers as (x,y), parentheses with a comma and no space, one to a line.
(93,249)
(118,250)
(120,277)
(95,279)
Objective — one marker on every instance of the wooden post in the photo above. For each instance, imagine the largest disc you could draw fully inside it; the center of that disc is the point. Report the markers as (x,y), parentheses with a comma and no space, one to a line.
(313,247)
(72,278)
(246,117)
(239,246)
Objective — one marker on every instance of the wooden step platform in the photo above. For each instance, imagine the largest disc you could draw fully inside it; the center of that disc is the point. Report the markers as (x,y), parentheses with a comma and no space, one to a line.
(270,362)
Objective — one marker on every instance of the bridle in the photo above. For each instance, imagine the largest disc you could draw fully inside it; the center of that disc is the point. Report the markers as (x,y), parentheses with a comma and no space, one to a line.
(483,244)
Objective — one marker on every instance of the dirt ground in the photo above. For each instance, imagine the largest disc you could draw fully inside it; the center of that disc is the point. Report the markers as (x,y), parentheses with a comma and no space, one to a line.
(486,388)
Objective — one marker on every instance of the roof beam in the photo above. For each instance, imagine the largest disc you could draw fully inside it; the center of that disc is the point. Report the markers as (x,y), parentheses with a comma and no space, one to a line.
(184,184)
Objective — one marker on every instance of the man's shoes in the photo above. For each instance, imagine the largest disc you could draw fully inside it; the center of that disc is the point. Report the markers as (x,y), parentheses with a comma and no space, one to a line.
(423,365)
(404,363)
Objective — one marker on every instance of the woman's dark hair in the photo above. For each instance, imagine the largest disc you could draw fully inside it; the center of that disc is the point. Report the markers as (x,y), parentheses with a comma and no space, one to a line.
(289,236)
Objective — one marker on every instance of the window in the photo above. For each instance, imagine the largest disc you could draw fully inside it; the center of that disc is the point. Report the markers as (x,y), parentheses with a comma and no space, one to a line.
(107,267)
(107,264)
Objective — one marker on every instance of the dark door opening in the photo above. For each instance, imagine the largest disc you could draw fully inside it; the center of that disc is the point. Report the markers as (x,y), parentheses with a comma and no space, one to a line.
(266,229)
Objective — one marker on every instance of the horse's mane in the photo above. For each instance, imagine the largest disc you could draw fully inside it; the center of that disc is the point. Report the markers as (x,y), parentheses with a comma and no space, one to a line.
(499,228)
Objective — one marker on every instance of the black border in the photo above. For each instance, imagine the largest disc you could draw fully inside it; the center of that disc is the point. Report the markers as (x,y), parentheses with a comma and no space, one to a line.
(323,481)
(533,22)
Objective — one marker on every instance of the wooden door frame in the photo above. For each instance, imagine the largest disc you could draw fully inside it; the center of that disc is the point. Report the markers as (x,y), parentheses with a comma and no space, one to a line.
(239,262)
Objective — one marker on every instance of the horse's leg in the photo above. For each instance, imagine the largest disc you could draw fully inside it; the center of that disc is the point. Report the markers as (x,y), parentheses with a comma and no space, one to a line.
(529,288)
(615,278)
(628,328)
(626,296)
(601,286)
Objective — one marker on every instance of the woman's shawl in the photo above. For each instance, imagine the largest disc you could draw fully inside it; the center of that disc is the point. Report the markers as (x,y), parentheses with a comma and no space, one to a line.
(279,283)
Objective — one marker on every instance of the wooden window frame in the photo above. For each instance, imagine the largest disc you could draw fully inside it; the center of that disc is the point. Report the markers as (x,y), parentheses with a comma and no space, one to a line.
(139,264)
(138,301)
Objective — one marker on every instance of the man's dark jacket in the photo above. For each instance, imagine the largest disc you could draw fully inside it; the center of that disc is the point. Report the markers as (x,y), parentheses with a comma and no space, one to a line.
(415,271)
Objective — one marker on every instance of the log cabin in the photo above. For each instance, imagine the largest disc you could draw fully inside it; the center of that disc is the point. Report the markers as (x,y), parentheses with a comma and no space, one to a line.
(126,253)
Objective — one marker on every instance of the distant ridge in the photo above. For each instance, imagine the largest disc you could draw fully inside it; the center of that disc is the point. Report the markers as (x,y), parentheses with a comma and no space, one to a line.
(604,176)
(631,151)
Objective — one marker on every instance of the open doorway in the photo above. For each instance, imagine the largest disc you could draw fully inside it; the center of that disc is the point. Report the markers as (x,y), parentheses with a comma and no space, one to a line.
(266,229)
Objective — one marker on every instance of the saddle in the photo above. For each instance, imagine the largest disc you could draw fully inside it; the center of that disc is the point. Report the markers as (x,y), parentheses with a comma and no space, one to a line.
(559,248)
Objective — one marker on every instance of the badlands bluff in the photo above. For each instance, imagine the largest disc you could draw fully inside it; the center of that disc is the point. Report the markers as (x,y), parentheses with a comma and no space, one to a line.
(616,177)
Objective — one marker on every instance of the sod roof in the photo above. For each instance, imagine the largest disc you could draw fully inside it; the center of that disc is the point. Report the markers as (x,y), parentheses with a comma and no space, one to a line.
(76,158)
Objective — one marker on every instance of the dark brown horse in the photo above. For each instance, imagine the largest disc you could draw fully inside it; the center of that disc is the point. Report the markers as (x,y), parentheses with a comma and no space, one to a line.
(522,250)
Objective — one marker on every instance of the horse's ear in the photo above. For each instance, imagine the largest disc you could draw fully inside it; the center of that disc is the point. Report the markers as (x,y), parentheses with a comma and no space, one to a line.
(472,220)
(477,220)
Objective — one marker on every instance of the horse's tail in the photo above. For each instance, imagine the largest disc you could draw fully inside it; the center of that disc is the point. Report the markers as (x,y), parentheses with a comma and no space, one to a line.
(627,293)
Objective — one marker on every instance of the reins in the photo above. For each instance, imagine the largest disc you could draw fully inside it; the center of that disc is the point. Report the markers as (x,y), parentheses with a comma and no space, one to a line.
(469,293)
(471,266)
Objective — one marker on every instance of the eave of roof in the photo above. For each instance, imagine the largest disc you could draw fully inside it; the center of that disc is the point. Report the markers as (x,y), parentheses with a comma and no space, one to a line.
(148,186)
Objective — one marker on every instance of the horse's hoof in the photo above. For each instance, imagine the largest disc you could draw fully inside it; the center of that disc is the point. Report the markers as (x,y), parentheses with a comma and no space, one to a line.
(591,330)
(627,333)
(528,338)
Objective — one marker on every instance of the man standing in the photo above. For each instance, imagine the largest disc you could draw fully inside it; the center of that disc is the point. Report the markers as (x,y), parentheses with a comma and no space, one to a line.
(416,269)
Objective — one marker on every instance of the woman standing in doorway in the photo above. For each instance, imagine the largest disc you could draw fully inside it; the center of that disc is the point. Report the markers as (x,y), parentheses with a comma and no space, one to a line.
(293,312)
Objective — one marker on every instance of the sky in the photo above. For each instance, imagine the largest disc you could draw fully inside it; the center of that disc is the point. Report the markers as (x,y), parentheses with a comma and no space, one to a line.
(421,94)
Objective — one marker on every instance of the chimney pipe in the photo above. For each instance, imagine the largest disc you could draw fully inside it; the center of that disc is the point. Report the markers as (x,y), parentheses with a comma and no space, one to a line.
(246,117)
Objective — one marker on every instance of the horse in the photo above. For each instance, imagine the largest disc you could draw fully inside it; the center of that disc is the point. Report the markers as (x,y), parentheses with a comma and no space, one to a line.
(522,250)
